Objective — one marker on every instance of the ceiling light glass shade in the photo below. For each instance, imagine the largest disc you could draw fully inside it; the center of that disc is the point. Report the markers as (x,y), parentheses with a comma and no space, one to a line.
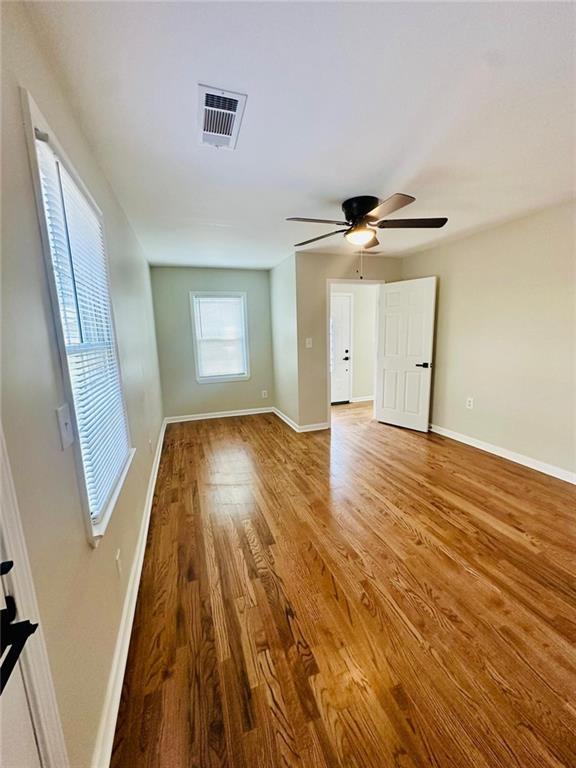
(359,235)
(372,242)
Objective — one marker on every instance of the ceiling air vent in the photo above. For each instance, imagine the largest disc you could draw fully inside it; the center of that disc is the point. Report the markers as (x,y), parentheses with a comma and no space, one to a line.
(220,116)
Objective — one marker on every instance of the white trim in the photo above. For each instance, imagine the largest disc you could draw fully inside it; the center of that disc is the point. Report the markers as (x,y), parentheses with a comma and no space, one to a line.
(216,415)
(99,526)
(517,458)
(319,427)
(248,412)
(363,399)
(107,727)
(300,427)
(34,660)
(224,379)
(354,280)
(33,118)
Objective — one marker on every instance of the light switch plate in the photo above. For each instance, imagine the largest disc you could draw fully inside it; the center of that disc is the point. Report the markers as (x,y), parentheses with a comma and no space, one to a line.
(309,343)
(65,426)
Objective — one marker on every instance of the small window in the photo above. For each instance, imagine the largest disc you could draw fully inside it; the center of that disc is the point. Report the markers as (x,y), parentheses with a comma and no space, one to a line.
(78,272)
(220,336)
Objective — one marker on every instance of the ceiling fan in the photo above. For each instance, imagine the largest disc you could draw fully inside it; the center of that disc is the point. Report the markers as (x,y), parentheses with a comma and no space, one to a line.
(363,216)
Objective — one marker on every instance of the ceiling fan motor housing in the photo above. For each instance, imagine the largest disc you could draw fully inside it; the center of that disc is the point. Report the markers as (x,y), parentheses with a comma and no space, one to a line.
(356,208)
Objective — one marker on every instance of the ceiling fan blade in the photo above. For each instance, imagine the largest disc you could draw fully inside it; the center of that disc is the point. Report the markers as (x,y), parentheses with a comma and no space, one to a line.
(313,240)
(391,204)
(411,223)
(319,221)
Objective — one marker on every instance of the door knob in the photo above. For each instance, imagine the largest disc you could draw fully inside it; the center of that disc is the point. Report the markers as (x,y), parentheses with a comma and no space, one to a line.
(423,365)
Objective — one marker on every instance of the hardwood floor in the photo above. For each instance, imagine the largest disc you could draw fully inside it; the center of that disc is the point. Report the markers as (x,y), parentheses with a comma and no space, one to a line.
(372,597)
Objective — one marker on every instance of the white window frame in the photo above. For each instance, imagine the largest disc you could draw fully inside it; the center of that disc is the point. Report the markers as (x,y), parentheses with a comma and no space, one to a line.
(217,295)
(33,119)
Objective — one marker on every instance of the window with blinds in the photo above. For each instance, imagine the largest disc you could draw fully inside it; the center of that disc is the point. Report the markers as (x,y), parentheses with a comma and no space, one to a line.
(81,290)
(221,336)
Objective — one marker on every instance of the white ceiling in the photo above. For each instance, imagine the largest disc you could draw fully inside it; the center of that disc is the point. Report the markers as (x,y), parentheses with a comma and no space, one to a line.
(467,106)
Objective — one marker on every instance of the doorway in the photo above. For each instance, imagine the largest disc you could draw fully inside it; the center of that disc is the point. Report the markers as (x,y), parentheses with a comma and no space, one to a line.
(341,308)
(380,347)
(352,310)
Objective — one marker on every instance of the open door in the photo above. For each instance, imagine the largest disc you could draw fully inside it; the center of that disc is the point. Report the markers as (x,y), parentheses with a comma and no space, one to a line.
(404,353)
(18,740)
(30,729)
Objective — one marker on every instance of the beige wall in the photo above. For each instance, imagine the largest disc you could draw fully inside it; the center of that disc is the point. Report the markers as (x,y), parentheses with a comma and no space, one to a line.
(363,349)
(505,334)
(181,394)
(285,337)
(312,273)
(79,591)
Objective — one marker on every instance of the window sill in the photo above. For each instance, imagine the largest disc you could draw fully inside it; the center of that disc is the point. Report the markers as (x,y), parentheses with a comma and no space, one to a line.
(221,379)
(99,529)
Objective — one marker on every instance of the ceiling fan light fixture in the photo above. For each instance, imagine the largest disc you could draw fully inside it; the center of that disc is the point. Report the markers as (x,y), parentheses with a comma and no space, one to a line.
(363,218)
(360,235)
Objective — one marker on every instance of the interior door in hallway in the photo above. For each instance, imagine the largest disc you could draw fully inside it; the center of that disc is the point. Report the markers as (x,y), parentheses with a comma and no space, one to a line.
(340,351)
(404,353)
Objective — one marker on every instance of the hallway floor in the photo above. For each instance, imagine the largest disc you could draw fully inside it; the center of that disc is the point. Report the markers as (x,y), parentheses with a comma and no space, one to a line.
(367,597)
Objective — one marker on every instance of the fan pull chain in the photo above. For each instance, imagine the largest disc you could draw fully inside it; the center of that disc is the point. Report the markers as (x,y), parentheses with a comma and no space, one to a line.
(360,272)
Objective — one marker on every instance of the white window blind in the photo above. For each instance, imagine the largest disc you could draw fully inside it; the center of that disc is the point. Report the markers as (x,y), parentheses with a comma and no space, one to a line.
(221,336)
(80,272)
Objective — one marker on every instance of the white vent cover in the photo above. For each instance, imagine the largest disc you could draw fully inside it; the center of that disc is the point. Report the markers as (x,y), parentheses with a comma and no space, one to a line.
(219,116)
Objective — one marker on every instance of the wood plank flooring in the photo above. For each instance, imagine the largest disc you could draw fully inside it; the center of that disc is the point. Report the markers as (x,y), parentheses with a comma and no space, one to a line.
(368,598)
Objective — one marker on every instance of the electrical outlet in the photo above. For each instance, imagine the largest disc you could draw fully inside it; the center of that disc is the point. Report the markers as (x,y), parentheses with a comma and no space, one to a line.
(308,343)
(264,394)
(118,563)
(470,402)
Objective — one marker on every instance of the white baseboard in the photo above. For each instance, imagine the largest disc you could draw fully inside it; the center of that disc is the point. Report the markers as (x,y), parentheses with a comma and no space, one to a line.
(217,415)
(300,427)
(249,412)
(518,458)
(105,737)
(364,399)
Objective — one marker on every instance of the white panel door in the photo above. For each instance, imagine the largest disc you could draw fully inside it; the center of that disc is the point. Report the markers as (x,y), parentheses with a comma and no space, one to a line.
(404,353)
(18,747)
(340,352)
